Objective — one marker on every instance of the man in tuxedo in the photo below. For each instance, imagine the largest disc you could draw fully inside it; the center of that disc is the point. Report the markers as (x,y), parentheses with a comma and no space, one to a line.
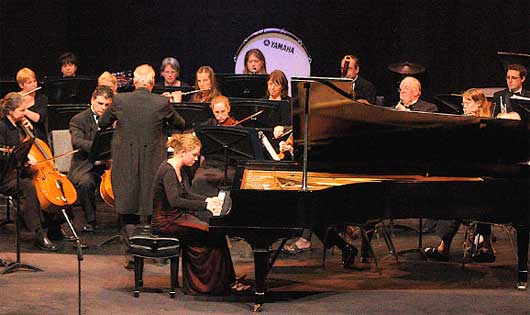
(363,88)
(409,97)
(85,174)
(515,78)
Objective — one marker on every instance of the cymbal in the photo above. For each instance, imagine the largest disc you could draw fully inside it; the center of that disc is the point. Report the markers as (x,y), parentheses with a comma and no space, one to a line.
(406,68)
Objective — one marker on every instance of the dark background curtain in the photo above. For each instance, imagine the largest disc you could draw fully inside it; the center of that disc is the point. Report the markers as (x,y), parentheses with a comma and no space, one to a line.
(456,41)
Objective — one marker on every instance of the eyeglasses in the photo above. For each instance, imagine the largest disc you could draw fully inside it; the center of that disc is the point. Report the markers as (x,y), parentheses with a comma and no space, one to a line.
(512,77)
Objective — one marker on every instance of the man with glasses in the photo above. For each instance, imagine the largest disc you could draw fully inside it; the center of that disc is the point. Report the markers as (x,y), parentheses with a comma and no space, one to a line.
(515,77)
(363,88)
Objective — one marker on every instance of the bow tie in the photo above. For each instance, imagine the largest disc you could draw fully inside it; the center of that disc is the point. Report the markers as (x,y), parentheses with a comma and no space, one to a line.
(517,93)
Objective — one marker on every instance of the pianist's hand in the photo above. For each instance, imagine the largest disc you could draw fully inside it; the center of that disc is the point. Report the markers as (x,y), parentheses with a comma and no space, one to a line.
(215,205)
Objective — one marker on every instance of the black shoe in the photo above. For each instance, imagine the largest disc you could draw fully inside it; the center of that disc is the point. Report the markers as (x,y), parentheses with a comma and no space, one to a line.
(2,263)
(348,256)
(432,253)
(484,256)
(46,244)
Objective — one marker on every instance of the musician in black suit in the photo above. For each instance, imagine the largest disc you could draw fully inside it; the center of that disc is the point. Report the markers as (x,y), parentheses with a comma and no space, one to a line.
(363,88)
(84,174)
(515,78)
(138,144)
(409,97)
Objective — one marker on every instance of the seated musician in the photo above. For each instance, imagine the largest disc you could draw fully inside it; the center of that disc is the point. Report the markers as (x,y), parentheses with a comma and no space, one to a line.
(206,263)
(255,62)
(206,84)
(110,80)
(220,106)
(209,176)
(85,174)
(362,88)
(69,63)
(515,78)
(475,104)
(409,97)
(12,111)
(36,104)
(277,89)
(170,73)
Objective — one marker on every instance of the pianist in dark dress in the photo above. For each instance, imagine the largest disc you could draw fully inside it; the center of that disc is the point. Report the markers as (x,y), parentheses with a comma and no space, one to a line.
(206,263)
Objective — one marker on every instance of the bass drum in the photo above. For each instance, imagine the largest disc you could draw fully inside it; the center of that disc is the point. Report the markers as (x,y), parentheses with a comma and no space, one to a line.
(282,50)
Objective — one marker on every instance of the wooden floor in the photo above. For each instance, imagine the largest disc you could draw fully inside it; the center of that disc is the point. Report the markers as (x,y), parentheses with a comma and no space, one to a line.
(298,284)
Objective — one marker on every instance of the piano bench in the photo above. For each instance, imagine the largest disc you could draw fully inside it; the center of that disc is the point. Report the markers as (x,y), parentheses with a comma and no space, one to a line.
(145,244)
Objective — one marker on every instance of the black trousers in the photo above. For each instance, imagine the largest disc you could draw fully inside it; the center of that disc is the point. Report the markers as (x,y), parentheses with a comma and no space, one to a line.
(30,211)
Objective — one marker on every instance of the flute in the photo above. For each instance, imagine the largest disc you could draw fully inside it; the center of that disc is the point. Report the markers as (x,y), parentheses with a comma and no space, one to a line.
(195,91)
(31,91)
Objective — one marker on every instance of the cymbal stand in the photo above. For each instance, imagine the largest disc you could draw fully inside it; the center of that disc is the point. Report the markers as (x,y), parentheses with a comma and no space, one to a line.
(17,265)
(79,258)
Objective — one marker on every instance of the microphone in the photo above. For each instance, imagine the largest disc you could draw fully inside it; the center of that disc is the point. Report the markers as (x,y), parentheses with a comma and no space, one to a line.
(254,71)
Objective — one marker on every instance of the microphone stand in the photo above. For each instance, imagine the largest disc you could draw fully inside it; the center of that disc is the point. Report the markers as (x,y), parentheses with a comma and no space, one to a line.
(79,258)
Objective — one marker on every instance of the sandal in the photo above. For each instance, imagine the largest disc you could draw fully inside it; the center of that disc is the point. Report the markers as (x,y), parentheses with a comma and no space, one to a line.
(293,249)
(239,287)
(432,253)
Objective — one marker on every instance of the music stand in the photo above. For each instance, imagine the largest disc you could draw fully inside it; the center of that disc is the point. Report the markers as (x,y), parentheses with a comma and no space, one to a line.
(275,112)
(77,90)
(16,161)
(194,114)
(242,85)
(229,144)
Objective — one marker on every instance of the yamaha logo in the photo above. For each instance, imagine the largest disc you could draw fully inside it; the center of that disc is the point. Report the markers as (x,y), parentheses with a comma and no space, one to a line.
(266,42)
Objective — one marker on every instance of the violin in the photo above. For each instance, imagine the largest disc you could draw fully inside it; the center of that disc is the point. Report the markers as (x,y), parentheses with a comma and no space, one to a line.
(105,188)
(54,190)
(229,122)
(288,142)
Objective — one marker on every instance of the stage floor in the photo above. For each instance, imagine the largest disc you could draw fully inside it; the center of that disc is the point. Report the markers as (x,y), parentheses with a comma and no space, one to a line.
(298,284)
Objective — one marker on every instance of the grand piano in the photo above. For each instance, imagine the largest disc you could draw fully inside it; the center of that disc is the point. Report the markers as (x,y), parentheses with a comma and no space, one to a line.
(356,161)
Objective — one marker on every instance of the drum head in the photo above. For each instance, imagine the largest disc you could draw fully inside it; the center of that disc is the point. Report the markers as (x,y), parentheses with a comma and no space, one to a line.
(282,50)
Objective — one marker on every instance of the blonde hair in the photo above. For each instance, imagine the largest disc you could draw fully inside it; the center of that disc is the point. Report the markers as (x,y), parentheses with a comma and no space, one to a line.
(221,99)
(25,74)
(107,76)
(183,142)
(198,97)
(477,96)
(144,76)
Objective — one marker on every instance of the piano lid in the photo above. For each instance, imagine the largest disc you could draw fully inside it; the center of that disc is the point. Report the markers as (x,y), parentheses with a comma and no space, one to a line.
(347,135)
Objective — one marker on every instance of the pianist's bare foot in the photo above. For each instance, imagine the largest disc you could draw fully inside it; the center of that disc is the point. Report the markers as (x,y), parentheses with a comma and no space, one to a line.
(299,246)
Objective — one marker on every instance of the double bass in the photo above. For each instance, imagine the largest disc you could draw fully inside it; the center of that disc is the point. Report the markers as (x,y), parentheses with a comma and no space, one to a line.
(54,190)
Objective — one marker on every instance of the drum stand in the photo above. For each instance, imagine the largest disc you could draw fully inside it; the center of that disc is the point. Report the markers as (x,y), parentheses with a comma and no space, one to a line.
(17,265)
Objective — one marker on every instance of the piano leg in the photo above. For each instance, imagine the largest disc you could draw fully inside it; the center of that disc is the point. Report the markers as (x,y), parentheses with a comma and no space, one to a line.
(522,256)
(261,265)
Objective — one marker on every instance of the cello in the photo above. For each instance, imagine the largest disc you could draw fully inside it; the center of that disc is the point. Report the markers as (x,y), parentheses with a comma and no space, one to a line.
(105,188)
(54,190)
